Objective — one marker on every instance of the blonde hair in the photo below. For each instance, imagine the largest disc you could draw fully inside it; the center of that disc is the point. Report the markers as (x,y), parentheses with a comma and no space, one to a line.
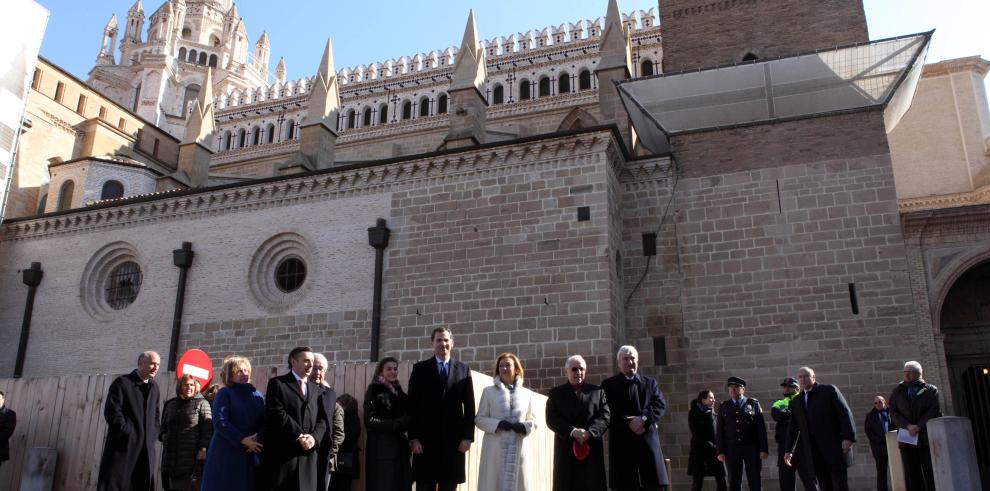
(230,364)
(515,361)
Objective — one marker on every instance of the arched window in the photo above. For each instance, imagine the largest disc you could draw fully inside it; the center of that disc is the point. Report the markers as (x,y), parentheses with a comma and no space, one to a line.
(442,104)
(424,107)
(564,83)
(383,114)
(544,86)
(498,95)
(750,57)
(228,140)
(584,80)
(256,137)
(112,190)
(646,68)
(524,89)
(406,110)
(65,196)
(192,92)
(192,56)
(42,203)
(290,132)
(213,61)
(186,33)
(351,120)
(366,119)
(182,54)
(202,58)
(242,138)
(270,131)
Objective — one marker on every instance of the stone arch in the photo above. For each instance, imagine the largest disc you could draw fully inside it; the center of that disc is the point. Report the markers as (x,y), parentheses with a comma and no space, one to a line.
(577,118)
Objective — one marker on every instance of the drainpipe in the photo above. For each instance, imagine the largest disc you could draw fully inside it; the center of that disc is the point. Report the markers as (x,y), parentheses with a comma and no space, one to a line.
(377,238)
(183,259)
(32,278)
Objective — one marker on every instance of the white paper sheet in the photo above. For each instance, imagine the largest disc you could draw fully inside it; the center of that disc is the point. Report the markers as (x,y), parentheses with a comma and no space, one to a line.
(904,436)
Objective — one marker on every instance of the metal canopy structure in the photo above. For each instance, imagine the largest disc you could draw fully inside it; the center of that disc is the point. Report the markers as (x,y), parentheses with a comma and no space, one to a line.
(877,74)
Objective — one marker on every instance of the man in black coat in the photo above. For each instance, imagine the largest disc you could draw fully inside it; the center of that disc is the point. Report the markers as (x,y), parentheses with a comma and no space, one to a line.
(133,417)
(877,425)
(636,405)
(8,421)
(741,436)
(441,396)
(578,415)
(913,403)
(333,419)
(822,424)
(294,428)
(781,414)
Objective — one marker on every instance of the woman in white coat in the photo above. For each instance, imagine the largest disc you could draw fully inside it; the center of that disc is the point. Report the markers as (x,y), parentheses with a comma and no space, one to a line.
(506,415)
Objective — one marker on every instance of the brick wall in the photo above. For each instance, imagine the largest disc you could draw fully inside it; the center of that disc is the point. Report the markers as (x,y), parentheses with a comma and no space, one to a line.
(701,33)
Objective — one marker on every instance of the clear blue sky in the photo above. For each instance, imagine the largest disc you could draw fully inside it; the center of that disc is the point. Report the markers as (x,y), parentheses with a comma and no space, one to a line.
(376,30)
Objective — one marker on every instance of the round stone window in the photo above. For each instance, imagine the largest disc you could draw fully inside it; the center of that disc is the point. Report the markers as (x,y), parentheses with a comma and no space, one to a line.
(290,274)
(122,285)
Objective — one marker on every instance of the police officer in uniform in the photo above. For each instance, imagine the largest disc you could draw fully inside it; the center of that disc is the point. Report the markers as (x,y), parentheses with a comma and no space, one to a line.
(781,413)
(741,436)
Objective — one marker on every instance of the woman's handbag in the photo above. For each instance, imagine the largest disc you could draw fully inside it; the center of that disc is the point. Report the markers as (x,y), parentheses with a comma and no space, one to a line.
(347,462)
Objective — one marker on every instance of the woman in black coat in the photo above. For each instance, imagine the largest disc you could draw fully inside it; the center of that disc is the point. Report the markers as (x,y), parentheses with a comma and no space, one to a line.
(186,429)
(386,419)
(703,459)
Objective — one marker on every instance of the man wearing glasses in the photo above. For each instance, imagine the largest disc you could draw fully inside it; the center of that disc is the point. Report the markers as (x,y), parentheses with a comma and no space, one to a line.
(877,425)
(578,416)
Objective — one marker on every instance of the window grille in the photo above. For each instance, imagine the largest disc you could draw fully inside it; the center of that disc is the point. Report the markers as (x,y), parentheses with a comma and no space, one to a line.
(123,285)
(290,274)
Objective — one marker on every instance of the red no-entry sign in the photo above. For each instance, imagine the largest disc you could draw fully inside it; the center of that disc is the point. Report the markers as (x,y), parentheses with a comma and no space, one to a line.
(197,363)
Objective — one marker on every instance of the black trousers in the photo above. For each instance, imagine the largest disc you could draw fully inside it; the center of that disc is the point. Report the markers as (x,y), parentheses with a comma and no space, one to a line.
(141,475)
(825,478)
(433,486)
(698,482)
(882,471)
(917,462)
(736,458)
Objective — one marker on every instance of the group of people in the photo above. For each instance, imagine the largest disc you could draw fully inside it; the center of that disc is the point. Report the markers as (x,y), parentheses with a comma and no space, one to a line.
(814,434)
(301,436)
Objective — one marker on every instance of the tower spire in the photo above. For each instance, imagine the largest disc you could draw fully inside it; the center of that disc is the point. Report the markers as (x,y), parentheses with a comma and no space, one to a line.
(615,47)
(467,119)
(109,40)
(470,69)
(317,134)
(194,150)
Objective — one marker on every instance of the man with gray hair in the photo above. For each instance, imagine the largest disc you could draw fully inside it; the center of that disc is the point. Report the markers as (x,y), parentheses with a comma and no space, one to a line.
(132,415)
(822,425)
(636,405)
(912,404)
(578,416)
(333,416)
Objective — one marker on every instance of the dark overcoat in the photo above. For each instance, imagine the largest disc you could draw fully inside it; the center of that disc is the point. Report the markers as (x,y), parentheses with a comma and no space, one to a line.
(8,421)
(442,416)
(703,457)
(284,464)
(635,461)
(567,410)
(386,419)
(873,426)
(132,427)
(825,422)
(905,411)
(332,438)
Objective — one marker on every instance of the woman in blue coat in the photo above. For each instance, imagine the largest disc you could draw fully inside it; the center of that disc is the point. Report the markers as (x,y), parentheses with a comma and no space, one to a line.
(238,416)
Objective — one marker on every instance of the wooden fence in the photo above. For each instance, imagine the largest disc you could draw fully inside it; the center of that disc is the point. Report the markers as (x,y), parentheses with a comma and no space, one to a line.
(66,413)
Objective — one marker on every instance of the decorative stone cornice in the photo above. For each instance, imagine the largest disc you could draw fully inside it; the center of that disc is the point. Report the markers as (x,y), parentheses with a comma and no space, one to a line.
(636,173)
(487,160)
(969,64)
(975,197)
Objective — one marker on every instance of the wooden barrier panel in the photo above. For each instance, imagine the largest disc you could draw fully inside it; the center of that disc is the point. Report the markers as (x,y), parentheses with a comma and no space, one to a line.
(66,413)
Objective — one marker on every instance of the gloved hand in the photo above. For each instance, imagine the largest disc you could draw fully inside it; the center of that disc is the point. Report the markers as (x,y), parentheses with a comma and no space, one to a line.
(519,428)
(505,425)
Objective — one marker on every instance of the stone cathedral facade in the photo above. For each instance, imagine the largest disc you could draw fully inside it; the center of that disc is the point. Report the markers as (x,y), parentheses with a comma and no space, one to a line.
(516,194)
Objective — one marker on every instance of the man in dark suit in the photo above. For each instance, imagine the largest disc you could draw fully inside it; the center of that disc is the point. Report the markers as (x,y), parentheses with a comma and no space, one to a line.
(334,421)
(822,424)
(636,405)
(877,425)
(578,415)
(8,421)
(294,427)
(912,404)
(132,416)
(741,436)
(441,396)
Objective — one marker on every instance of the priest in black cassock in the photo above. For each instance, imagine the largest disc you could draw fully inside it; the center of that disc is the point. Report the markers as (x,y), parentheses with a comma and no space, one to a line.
(294,428)
(636,405)
(578,415)
(132,416)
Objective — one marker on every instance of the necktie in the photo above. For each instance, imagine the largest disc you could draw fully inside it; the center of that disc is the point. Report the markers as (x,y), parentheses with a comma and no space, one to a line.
(883,420)
(443,370)
(302,387)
